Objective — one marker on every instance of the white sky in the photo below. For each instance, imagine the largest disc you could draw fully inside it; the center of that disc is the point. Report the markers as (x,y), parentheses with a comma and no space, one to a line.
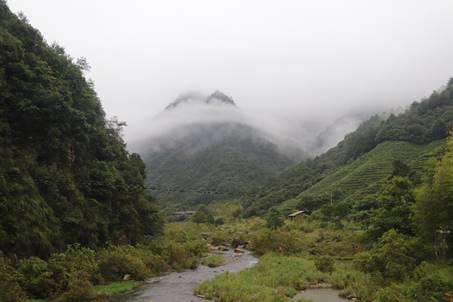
(304,59)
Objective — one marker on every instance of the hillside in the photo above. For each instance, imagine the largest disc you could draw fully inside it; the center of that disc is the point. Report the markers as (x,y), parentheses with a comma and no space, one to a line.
(65,175)
(216,155)
(357,183)
(422,123)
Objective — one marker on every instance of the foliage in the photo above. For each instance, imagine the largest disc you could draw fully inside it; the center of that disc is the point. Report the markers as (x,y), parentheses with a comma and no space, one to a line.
(276,241)
(65,174)
(180,246)
(276,278)
(10,290)
(211,162)
(423,123)
(115,288)
(394,209)
(80,289)
(393,256)
(36,278)
(213,261)
(203,215)
(115,262)
(274,219)
(325,264)
(434,208)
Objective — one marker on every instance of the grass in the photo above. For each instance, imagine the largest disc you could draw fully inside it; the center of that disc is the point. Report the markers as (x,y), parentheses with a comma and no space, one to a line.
(213,261)
(278,278)
(116,288)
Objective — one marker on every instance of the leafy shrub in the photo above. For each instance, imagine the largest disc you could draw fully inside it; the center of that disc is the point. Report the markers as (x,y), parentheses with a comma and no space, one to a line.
(393,256)
(115,262)
(36,278)
(80,289)
(213,261)
(275,241)
(274,219)
(10,290)
(433,282)
(203,215)
(75,259)
(219,221)
(325,264)
(180,247)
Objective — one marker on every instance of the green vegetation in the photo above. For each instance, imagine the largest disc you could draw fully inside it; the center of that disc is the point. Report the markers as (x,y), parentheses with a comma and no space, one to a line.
(213,261)
(65,175)
(400,250)
(191,172)
(115,288)
(278,278)
(77,225)
(82,274)
(424,122)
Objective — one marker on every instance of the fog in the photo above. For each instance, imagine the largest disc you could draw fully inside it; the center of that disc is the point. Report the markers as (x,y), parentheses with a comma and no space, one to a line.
(293,66)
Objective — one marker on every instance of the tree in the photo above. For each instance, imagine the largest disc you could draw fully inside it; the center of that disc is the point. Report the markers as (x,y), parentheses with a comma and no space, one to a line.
(274,219)
(325,264)
(434,207)
(394,209)
(392,256)
(203,215)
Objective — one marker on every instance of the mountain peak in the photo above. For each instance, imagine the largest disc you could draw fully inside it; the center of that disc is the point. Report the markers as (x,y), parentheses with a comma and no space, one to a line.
(220,97)
(197,97)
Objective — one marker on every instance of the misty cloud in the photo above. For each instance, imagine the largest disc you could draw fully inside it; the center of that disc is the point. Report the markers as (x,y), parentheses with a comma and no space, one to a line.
(294,67)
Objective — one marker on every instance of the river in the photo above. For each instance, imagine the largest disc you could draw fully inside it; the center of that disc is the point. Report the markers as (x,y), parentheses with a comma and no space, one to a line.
(178,287)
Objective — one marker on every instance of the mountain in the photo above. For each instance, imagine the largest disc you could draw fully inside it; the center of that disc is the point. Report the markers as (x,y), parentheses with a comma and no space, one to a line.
(207,150)
(65,175)
(355,169)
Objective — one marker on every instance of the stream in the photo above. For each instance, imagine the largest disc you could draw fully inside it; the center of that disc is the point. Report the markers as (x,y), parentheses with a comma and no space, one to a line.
(178,287)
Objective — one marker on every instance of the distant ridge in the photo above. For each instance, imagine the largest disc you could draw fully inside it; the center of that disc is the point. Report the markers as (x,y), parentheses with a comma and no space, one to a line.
(195,97)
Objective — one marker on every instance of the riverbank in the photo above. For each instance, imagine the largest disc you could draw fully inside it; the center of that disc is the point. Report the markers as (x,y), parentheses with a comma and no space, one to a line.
(179,286)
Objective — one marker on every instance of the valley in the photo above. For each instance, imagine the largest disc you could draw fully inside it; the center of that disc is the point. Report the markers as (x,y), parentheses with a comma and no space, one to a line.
(212,203)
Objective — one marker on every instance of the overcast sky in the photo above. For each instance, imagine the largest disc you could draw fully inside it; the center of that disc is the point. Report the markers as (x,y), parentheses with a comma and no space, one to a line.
(289,58)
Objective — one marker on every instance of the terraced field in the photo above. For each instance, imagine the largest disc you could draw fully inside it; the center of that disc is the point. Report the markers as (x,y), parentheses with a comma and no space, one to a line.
(364,176)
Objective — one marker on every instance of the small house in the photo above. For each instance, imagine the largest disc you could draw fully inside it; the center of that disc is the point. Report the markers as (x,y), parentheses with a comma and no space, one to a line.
(297,215)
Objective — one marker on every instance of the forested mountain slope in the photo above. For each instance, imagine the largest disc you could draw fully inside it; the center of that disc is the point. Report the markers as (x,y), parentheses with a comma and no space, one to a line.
(216,155)
(65,175)
(422,123)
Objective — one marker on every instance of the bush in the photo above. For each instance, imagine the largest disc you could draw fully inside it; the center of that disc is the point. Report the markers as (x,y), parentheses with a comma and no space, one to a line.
(219,221)
(115,262)
(180,247)
(392,257)
(203,215)
(274,219)
(213,261)
(10,290)
(275,241)
(80,289)
(433,282)
(75,259)
(325,264)
(36,278)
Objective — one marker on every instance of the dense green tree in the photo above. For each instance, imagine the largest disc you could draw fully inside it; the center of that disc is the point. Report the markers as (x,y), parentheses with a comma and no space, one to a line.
(203,215)
(65,174)
(434,207)
(393,256)
(394,209)
(274,219)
